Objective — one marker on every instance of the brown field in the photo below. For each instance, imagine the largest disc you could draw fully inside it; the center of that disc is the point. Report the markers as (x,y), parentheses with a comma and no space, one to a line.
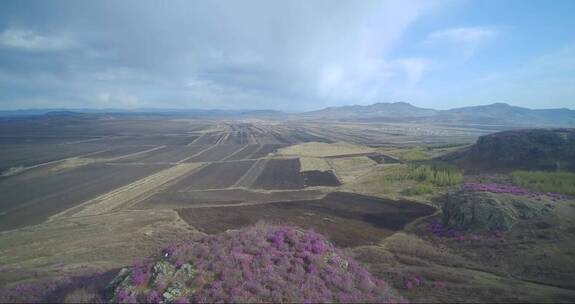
(148,140)
(280,174)
(320,178)
(245,153)
(214,176)
(168,154)
(27,155)
(118,152)
(215,153)
(347,219)
(264,150)
(204,198)
(33,200)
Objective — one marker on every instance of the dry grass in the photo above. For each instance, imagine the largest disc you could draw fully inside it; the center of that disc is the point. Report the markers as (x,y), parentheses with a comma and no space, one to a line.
(442,270)
(81,295)
(390,181)
(101,243)
(349,169)
(313,163)
(316,149)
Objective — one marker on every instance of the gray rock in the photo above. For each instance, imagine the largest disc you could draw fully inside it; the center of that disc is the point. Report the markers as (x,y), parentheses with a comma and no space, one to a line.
(467,210)
(119,278)
(185,273)
(162,271)
(174,291)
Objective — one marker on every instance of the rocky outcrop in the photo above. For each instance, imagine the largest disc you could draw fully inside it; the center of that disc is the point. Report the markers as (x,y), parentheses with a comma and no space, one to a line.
(470,210)
(263,263)
(529,149)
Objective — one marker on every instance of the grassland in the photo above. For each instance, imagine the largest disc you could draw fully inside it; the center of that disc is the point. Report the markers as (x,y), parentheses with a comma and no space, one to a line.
(559,182)
(350,168)
(316,149)
(418,181)
(314,163)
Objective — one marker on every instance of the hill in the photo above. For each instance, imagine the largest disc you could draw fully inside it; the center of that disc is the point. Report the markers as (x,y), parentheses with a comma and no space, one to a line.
(261,263)
(401,110)
(493,114)
(533,149)
(502,113)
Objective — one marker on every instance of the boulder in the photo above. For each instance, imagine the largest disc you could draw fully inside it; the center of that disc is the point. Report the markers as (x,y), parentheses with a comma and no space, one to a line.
(469,210)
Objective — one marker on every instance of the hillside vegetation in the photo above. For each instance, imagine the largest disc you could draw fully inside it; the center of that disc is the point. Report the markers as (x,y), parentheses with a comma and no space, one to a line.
(531,149)
(560,182)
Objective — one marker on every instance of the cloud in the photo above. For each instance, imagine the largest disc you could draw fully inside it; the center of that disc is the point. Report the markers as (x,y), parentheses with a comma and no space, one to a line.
(254,53)
(29,40)
(413,68)
(466,39)
(463,34)
(117,99)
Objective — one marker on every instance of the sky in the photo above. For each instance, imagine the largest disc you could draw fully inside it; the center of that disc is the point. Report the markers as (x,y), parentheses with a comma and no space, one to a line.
(292,55)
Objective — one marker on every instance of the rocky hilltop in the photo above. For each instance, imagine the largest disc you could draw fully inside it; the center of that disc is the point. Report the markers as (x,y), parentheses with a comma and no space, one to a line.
(257,264)
(532,149)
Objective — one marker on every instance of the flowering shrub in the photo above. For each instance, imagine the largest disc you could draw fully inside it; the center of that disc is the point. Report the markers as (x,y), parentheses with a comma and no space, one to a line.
(44,291)
(263,263)
(515,190)
(436,228)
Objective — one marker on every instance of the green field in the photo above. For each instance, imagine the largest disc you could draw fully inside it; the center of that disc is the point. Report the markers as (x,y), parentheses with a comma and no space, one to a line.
(559,182)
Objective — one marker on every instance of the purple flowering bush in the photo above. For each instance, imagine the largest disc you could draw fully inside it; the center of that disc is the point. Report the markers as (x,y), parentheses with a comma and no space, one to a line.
(515,190)
(436,228)
(263,263)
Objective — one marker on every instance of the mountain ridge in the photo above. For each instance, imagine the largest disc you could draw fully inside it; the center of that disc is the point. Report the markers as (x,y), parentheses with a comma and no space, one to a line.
(491,114)
(495,113)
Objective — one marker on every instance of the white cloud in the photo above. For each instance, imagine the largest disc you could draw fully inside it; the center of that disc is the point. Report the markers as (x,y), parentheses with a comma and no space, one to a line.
(117,99)
(32,41)
(413,68)
(294,54)
(465,39)
(463,34)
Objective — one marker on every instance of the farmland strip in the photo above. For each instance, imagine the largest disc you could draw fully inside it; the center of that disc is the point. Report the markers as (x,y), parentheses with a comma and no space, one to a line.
(252,174)
(192,156)
(123,195)
(231,155)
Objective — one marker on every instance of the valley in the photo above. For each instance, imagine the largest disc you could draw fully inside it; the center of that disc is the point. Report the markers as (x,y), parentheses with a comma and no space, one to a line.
(131,186)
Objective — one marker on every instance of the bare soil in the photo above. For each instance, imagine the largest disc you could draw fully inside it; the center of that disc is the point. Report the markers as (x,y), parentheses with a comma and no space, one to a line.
(245,153)
(206,198)
(280,174)
(214,176)
(31,201)
(347,219)
(320,178)
(216,153)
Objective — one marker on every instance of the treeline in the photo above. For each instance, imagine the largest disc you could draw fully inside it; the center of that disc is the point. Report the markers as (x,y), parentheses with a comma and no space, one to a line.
(435,174)
(439,175)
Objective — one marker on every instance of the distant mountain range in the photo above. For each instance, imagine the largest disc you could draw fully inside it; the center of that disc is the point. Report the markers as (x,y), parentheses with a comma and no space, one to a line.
(494,114)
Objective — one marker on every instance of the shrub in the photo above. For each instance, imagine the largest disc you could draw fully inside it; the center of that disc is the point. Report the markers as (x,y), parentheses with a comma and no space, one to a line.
(266,263)
(415,154)
(515,190)
(420,189)
(439,175)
